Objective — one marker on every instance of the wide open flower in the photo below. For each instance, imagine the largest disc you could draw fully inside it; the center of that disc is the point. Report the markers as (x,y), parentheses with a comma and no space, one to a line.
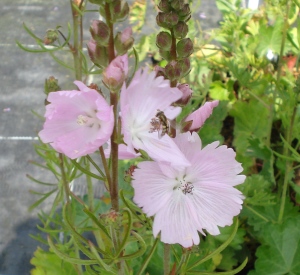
(191,199)
(141,101)
(77,122)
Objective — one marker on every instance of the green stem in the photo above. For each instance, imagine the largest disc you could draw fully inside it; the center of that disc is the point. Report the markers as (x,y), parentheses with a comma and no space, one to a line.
(288,164)
(76,42)
(90,190)
(114,102)
(106,169)
(63,175)
(167,251)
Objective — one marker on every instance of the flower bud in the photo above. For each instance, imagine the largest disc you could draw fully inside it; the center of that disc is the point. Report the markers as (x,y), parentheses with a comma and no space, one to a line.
(180,30)
(51,85)
(161,20)
(124,41)
(177,4)
(116,72)
(186,94)
(172,71)
(159,71)
(165,54)
(100,32)
(98,54)
(185,48)
(164,41)
(164,6)
(185,13)
(172,18)
(119,10)
(185,66)
(50,37)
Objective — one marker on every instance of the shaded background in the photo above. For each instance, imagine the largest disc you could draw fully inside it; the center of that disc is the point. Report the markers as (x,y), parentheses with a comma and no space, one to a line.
(22,77)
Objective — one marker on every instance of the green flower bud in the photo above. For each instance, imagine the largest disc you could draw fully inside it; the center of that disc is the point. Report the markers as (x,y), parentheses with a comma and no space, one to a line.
(177,4)
(172,18)
(185,13)
(180,30)
(100,32)
(172,71)
(164,5)
(185,66)
(161,20)
(164,41)
(50,37)
(124,41)
(185,48)
(119,10)
(51,85)
(98,54)
(165,54)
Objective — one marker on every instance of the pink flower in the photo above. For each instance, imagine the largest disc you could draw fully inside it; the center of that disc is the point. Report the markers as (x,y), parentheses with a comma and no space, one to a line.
(77,122)
(116,72)
(190,199)
(126,35)
(123,153)
(141,102)
(199,116)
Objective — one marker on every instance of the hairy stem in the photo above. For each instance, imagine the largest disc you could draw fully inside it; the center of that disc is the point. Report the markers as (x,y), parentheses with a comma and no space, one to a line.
(63,175)
(76,50)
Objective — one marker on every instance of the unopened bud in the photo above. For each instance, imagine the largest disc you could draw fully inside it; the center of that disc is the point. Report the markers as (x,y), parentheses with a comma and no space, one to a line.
(172,18)
(50,37)
(185,13)
(185,66)
(186,94)
(51,85)
(161,20)
(172,71)
(180,30)
(165,54)
(100,32)
(111,218)
(185,48)
(98,54)
(159,71)
(164,41)
(119,10)
(164,6)
(116,72)
(177,4)
(124,41)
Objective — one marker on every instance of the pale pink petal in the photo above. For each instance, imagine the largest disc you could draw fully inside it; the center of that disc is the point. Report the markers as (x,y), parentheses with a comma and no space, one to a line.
(199,116)
(77,122)
(123,152)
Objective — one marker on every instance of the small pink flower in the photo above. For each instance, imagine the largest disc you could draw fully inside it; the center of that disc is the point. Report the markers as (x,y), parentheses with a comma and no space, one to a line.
(116,72)
(199,116)
(77,122)
(145,97)
(185,200)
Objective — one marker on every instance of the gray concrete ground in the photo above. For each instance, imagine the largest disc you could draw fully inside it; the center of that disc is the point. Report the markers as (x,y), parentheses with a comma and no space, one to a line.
(22,78)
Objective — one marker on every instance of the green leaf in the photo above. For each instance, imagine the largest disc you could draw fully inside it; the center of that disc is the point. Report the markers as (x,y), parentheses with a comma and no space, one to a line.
(48,263)
(280,252)
(270,38)
(218,91)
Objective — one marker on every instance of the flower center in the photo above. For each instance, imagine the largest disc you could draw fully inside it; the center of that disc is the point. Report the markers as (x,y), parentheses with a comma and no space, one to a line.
(89,120)
(184,187)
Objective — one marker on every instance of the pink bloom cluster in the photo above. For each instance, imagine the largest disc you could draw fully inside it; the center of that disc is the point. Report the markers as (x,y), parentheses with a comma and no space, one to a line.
(187,188)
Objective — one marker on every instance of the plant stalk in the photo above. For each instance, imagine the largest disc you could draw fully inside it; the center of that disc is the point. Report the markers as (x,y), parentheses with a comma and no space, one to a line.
(167,253)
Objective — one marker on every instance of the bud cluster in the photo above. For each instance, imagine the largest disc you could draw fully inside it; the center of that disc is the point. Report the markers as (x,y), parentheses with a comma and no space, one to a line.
(118,10)
(173,44)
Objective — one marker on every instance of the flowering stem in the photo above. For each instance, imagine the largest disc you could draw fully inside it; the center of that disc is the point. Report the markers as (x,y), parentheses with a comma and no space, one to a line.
(106,169)
(90,190)
(113,189)
(167,251)
(63,175)
(76,43)
(173,55)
